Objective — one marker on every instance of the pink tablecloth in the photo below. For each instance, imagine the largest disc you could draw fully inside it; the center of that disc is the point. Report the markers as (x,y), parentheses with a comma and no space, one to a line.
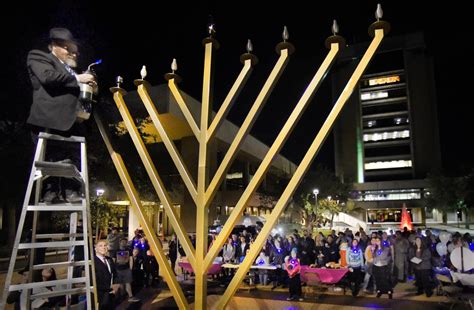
(214,269)
(328,276)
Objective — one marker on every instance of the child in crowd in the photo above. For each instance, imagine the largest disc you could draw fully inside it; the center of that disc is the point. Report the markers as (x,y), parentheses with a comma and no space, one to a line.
(293,268)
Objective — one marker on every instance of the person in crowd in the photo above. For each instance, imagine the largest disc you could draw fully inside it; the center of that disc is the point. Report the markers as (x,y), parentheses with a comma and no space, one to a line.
(400,248)
(319,250)
(369,285)
(262,260)
(293,268)
(355,262)
(343,247)
(113,238)
(420,256)
(307,248)
(331,251)
(173,251)
(228,251)
(151,269)
(106,276)
(277,258)
(242,248)
(381,269)
(123,262)
(138,274)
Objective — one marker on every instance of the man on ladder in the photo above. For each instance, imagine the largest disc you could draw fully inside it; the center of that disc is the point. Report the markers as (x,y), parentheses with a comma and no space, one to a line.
(56,117)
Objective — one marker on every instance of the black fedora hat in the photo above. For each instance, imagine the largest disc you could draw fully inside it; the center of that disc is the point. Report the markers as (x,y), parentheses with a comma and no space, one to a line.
(61,34)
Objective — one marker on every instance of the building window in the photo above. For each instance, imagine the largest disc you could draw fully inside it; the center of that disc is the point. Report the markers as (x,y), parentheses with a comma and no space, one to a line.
(218,210)
(387,164)
(394,194)
(384,216)
(387,135)
(384,80)
(373,95)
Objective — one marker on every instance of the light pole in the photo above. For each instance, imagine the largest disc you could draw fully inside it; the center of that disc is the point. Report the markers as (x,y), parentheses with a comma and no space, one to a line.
(316,192)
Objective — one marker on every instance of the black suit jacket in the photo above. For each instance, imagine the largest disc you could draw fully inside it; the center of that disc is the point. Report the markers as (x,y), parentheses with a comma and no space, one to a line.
(102,275)
(55,92)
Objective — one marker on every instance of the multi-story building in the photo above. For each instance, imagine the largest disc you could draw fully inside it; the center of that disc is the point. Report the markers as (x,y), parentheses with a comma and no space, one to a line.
(386,139)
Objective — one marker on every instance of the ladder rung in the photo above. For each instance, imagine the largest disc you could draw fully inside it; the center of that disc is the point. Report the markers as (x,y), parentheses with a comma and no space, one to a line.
(17,287)
(72,291)
(48,136)
(58,169)
(61,264)
(47,207)
(50,244)
(56,236)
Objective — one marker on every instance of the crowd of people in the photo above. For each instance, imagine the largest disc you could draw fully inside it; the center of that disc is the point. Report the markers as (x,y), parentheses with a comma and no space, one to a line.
(376,262)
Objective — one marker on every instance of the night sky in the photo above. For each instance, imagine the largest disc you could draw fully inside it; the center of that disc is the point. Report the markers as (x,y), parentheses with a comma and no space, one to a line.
(131,34)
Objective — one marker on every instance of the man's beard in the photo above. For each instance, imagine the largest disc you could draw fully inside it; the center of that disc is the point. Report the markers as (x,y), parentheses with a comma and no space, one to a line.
(71,62)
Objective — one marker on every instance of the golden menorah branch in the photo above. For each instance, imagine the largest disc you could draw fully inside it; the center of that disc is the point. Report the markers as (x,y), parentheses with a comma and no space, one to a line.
(247,124)
(135,202)
(202,216)
(169,144)
(184,108)
(272,152)
(154,177)
(230,98)
(300,171)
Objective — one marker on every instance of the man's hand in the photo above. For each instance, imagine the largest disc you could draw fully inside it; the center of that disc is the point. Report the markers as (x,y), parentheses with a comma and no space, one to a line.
(86,78)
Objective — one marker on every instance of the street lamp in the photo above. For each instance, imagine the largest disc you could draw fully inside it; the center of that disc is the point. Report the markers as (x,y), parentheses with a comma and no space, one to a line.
(99,192)
(316,192)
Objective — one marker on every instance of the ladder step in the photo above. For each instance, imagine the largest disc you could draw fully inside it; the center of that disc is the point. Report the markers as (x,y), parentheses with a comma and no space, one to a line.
(48,136)
(18,287)
(56,236)
(58,169)
(61,264)
(61,207)
(50,244)
(72,291)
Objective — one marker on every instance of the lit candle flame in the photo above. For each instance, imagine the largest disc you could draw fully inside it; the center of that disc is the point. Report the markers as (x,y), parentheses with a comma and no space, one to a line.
(174,65)
(119,80)
(335,27)
(379,12)
(143,72)
(285,35)
(249,46)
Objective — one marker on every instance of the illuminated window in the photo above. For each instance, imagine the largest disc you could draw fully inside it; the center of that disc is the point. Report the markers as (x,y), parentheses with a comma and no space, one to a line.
(400,120)
(378,136)
(395,194)
(371,123)
(387,164)
(385,80)
(235,175)
(373,95)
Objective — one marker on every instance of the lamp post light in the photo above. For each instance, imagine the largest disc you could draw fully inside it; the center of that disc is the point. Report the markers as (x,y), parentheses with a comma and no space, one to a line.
(316,192)
(99,192)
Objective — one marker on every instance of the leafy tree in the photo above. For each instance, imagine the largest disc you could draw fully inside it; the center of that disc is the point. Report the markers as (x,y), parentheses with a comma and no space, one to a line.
(103,215)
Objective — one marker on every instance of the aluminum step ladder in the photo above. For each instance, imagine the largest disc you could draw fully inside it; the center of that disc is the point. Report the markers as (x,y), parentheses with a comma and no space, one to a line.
(79,285)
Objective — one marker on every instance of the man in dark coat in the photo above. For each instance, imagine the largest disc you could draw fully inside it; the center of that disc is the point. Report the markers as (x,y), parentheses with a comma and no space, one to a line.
(105,276)
(56,104)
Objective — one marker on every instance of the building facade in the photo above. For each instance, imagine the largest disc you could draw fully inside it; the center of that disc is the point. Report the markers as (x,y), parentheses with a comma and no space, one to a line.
(386,139)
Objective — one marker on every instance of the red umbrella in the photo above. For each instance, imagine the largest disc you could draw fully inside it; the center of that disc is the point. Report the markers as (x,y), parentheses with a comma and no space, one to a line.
(406,219)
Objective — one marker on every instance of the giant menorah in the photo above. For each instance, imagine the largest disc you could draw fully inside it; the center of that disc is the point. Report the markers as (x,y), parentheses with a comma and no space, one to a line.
(203,193)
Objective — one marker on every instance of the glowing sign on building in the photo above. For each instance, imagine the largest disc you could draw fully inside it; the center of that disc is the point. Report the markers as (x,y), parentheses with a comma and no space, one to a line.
(384,80)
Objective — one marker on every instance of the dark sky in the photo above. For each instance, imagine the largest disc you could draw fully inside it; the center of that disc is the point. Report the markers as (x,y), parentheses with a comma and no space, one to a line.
(132,33)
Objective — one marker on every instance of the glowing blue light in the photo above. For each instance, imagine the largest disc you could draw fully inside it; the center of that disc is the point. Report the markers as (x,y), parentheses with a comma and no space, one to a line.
(98,62)
(471,246)
(379,252)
